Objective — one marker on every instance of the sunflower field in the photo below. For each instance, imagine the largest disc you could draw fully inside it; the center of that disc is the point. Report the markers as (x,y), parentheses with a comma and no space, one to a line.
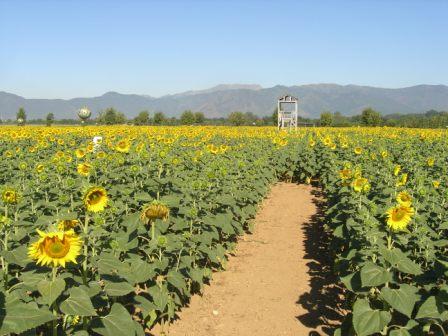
(110,238)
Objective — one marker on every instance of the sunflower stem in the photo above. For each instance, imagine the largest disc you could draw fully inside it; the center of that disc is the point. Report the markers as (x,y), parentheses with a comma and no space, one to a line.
(86,237)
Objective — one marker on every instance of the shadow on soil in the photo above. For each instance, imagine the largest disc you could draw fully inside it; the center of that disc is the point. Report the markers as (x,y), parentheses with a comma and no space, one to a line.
(325,298)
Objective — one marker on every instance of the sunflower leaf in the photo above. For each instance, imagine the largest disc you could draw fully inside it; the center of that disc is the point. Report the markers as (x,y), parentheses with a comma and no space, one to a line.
(118,322)
(78,303)
(20,317)
(50,290)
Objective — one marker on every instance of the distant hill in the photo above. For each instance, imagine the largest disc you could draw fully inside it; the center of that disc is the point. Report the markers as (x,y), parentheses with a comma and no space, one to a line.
(219,101)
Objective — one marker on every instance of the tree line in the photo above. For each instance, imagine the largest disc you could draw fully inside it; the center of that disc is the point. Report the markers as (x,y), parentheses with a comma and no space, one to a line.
(368,117)
(372,118)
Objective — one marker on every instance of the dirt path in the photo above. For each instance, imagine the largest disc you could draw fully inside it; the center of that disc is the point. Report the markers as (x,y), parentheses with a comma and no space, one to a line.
(267,284)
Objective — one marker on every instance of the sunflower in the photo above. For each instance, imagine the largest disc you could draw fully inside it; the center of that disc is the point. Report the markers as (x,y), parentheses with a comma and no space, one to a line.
(403,198)
(155,210)
(397,170)
(361,184)
(55,248)
(95,199)
(84,169)
(436,184)
(345,174)
(67,224)
(40,168)
(399,217)
(80,153)
(430,162)
(10,196)
(123,146)
(358,150)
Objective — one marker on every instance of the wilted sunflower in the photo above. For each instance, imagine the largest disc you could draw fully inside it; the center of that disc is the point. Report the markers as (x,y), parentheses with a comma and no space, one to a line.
(361,184)
(95,199)
(155,210)
(67,224)
(10,196)
(84,169)
(123,146)
(399,217)
(403,198)
(55,248)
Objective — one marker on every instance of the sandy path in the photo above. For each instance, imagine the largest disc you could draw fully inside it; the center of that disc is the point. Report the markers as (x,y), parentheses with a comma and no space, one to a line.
(258,292)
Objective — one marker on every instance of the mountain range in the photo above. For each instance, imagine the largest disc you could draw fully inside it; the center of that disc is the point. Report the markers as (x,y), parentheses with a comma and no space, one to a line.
(220,100)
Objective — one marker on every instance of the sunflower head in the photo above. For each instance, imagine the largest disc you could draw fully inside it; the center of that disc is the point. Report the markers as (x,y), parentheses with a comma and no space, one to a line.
(399,217)
(123,146)
(430,162)
(436,184)
(345,174)
(358,150)
(397,170)
(404,198)
(56,248)
(67,224)
(80,153)
(155,210)
(95,199)
(361,184)
(10,196)
(84,169)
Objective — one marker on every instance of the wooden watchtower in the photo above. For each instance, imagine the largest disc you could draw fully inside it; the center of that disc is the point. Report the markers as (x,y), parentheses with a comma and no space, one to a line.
(288,111)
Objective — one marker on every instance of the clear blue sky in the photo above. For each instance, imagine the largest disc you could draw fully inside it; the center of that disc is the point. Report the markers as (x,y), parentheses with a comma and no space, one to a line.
(63,49)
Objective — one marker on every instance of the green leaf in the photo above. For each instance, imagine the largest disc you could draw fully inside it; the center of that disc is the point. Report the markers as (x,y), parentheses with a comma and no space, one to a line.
(431,308)
(399,332)
(177,280)
(160,297)
(118,322)
(367,321)
(78,303)
(118,288)
(402,300)
(20,317)
(373,275)
(353,282)
(400,261)
(50,290)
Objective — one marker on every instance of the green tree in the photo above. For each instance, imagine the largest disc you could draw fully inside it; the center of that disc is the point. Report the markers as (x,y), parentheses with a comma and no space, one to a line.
(326,119)
(370,117)
(187,118)
(199,118)
(50,119)
(237,118)
(275,116)
(142,118)
(159,118)
(250,118)
(21,115)
(110,116)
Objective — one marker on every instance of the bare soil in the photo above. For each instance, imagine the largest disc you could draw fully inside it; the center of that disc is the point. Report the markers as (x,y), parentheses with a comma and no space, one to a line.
(279,281)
